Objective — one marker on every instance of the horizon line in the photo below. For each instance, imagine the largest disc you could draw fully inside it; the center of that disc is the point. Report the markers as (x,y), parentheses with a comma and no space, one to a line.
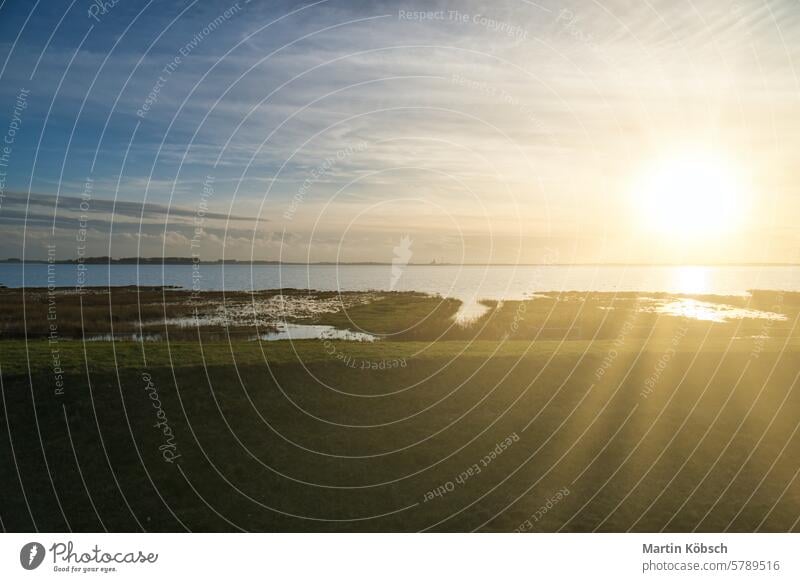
(193,261)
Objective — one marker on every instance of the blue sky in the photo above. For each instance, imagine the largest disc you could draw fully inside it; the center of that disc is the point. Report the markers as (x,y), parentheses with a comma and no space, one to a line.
(485,131)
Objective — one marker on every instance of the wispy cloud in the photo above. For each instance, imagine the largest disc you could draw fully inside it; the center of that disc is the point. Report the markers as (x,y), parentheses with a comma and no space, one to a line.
(518,115)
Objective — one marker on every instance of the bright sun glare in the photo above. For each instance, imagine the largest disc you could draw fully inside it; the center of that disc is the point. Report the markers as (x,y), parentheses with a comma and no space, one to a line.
(690,196)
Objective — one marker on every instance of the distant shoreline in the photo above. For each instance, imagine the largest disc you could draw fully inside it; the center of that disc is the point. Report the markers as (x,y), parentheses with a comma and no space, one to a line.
(190,261)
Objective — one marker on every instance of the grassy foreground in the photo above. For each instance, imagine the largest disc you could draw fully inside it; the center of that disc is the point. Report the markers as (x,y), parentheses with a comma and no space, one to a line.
(565,412)
(675,426)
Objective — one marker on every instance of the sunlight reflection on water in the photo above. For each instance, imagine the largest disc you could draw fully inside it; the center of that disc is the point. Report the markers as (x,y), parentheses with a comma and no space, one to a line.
(692,280)
(470,311)
(705,311)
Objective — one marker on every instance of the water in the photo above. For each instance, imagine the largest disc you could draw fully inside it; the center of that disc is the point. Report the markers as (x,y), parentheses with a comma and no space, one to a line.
(295,331)
(282,331)
(467,283)
(705,311)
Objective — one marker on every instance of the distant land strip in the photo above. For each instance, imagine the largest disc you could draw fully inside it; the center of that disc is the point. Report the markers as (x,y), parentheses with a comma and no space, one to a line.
(191,261)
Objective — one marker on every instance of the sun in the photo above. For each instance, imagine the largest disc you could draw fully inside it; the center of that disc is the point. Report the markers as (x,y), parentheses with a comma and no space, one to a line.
(689,196)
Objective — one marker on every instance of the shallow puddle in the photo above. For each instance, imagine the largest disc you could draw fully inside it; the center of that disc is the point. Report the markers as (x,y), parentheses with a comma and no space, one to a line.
(469,311)
(294,331)
(126,337)
(705,311)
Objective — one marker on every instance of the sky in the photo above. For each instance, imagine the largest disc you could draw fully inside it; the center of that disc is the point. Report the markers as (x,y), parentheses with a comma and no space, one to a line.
(476,132)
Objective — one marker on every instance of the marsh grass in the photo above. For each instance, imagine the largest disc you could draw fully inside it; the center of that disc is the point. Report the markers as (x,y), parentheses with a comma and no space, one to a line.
(400,316)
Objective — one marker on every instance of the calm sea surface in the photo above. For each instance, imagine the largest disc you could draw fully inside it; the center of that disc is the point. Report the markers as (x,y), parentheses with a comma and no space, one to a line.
(468,283)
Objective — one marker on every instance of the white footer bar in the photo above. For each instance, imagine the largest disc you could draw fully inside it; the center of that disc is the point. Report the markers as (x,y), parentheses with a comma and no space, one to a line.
(401,557)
